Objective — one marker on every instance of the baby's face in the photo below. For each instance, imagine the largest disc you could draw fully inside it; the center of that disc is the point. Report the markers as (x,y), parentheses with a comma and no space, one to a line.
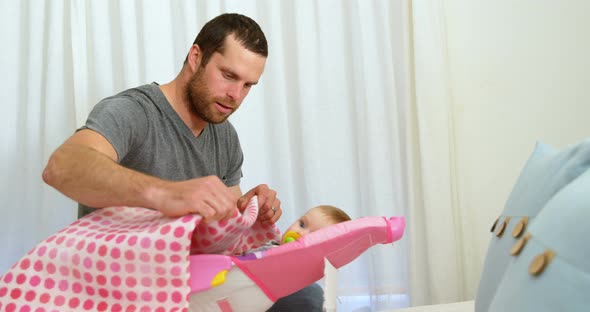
(312,221)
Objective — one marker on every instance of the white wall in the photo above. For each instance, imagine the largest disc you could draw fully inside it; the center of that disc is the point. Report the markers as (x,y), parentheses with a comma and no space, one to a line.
(520,72)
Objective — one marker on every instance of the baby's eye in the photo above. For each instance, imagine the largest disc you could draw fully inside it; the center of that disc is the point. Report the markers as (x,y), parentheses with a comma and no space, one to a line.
(302,224)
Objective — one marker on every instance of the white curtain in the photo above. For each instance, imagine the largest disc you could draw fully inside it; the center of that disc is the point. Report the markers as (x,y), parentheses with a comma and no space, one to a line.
(437,221)
(351,111)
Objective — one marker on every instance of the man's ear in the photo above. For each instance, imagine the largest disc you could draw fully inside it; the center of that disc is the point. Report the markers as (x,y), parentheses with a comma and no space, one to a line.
(194,57)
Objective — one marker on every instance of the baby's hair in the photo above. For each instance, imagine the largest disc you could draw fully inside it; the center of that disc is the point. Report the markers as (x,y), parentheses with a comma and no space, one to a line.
(335,214)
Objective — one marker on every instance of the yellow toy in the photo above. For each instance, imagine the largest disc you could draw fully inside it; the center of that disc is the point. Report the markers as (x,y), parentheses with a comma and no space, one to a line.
(290,236)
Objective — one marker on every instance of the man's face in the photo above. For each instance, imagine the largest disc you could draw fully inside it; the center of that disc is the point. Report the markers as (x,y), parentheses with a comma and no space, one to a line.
(216,90)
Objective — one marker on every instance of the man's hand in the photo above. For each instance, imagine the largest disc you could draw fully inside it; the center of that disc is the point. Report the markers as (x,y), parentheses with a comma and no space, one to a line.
(206,196)
(268,204)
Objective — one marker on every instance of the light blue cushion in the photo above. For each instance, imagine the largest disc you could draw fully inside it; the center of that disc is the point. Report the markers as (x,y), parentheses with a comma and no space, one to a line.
(564,284)
(546,172)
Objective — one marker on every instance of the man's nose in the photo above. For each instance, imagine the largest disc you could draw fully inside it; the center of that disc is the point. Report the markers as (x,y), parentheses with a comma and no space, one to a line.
(234,91)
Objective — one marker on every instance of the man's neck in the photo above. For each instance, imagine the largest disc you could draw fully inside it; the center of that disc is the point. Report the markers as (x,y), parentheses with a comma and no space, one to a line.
(176,96)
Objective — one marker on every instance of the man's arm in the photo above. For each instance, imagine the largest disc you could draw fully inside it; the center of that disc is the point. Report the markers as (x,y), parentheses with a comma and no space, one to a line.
(85,169)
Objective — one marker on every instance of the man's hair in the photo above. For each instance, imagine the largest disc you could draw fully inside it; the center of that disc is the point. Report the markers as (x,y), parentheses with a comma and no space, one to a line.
(337,215)
(245,30)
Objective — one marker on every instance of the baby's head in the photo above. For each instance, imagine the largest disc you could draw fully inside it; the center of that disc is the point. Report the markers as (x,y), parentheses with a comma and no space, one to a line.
(317,218)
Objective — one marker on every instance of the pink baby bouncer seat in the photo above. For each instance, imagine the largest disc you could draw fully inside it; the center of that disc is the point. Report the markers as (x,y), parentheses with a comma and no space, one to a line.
(135,259)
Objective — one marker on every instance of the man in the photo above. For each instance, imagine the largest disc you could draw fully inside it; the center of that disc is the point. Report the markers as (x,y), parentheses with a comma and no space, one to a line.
(171,147)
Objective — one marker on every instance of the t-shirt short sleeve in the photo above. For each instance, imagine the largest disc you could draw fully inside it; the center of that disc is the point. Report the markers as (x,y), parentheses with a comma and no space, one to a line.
(122,121)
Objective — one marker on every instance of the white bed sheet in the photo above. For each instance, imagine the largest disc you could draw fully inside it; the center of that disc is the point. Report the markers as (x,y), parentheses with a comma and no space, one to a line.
(464,306)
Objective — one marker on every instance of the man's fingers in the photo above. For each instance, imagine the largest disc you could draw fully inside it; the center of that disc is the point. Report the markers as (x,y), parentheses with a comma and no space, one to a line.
(269,198)
(206,196)
(206,211)
(273,214)
(268,204)
(276,216)
(219,201)
(244,199)
(242,203)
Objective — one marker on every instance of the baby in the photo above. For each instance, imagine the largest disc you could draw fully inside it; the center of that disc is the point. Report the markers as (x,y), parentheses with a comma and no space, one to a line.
(314,219)
(242,232)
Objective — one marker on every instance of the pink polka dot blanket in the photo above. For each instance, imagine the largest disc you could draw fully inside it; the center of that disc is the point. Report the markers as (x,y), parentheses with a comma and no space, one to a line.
(114,259)
(135,259)
(235,235)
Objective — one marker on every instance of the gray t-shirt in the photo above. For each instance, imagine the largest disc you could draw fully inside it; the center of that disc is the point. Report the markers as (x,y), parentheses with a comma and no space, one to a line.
(149,136)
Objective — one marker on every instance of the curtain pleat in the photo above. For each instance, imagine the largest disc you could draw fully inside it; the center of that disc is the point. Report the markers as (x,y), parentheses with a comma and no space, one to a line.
(436,222)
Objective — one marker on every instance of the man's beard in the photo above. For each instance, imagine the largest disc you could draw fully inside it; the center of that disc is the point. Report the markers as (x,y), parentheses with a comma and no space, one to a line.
(200,100)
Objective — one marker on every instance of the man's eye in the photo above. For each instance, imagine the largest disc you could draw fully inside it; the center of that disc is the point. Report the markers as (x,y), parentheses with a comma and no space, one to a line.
(227,76)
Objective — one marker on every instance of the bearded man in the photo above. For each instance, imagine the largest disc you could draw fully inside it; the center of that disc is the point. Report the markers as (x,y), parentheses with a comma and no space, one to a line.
(170,147)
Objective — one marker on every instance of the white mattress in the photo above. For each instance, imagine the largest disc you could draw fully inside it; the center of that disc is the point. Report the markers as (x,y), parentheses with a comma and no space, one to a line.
(465,306)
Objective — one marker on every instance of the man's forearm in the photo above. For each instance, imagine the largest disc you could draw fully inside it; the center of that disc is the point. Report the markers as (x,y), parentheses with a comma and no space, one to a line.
(93,179)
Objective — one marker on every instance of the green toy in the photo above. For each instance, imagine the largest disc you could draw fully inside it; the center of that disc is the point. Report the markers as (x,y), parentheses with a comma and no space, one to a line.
(290,236)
